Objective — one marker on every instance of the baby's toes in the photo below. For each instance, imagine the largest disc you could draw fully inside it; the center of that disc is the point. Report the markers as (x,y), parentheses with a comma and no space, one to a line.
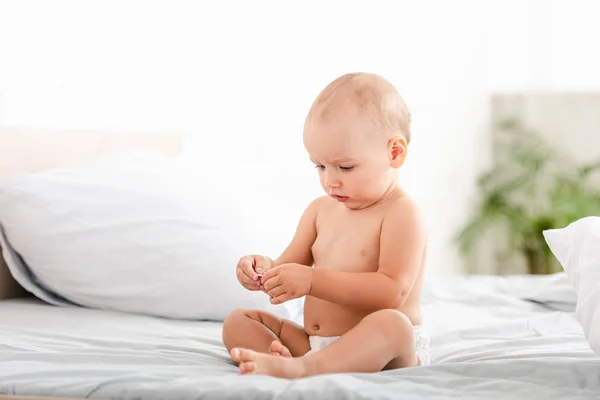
(247,367)
(276,348)
(240,355)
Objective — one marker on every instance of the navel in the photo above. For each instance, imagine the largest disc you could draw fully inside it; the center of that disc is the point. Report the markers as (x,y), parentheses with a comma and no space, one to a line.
(363,253)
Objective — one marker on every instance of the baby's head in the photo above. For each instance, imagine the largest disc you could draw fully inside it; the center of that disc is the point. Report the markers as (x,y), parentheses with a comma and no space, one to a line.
(357,132)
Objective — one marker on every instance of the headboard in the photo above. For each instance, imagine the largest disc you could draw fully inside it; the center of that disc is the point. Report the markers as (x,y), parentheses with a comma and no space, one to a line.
(36,149)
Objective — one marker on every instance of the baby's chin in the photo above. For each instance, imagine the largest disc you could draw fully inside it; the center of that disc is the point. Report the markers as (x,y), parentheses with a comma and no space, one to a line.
(358,204)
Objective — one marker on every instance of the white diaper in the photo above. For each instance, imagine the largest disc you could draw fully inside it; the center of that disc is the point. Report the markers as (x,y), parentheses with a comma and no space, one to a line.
(422,342)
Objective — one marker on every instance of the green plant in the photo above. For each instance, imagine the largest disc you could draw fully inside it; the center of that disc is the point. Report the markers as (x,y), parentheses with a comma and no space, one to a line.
(531,188)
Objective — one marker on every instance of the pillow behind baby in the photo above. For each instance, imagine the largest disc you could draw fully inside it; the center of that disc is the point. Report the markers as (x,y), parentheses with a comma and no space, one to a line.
(131,232)
(577,248)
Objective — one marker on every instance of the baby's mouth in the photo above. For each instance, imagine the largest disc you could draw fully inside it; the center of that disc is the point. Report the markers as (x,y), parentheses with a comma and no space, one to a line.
(341,199)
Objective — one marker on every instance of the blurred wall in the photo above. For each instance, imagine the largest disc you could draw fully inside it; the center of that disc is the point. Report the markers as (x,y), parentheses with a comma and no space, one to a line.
(238,78)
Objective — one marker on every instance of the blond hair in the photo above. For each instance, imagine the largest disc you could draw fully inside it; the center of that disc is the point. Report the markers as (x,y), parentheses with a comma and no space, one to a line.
(367,93)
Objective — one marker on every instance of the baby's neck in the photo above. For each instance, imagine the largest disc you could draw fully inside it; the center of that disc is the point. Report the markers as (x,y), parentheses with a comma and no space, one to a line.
(393,191)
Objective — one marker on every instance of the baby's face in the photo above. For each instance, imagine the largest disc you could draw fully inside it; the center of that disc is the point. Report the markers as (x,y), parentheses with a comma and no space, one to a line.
(353,159)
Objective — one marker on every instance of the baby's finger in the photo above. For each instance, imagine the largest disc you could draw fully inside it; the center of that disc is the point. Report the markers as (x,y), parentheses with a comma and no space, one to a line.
(263,264)
(279,299)
(271,283)
(272,273)
(276,292)
(246,281)
(246,266)
(250,284)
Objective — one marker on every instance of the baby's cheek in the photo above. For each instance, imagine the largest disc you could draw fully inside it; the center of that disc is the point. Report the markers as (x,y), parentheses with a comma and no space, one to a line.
(369,185)
(375,188)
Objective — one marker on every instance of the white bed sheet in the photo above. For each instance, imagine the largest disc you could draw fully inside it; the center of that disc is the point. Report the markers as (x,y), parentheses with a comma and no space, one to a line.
(487,342)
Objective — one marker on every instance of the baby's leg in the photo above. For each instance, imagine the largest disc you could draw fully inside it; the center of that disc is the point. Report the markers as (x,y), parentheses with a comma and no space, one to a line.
(258,330)
(384,339)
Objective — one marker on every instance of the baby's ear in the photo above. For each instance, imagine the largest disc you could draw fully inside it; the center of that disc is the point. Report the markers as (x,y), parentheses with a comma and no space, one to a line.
(397,147)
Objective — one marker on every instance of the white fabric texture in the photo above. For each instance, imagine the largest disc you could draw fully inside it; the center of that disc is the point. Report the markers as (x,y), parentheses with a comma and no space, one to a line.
(577,248)
(132,232)
(486,343)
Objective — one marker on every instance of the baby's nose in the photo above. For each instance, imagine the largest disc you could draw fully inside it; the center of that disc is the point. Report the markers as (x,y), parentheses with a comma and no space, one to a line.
(335,184)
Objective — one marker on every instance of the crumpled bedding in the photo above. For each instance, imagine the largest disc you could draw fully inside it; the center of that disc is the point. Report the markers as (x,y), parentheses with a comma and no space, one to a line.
(491,337)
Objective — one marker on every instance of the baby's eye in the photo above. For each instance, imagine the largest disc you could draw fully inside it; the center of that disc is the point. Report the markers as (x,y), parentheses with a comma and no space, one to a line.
(320,166)
(346,168)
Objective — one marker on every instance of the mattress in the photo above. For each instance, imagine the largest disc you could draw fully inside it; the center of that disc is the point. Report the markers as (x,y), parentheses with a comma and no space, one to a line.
(492,337)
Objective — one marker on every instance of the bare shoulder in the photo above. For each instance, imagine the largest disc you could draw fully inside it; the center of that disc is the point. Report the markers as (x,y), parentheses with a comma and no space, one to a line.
(404,215)
(322,204)
(404,205)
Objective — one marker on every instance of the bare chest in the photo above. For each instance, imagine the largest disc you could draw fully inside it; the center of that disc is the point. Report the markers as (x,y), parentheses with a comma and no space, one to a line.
(348,242)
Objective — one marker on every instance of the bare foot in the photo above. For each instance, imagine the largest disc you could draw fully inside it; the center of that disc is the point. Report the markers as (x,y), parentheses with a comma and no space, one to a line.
(278,349)
(251,362)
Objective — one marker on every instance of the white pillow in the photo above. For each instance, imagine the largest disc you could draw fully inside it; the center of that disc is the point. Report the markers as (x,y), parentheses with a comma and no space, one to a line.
(132,232)
(577,248)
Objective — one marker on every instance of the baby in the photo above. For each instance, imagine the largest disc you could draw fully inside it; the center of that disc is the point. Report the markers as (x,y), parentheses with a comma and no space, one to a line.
(358,253)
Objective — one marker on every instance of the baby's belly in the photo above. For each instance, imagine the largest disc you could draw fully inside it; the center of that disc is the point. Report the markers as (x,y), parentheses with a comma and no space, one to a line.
(323,318)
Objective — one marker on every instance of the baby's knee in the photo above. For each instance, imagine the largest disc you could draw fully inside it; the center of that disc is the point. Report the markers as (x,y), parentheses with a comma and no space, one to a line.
(389,316)
(393,323)
(239,314)
(234,322)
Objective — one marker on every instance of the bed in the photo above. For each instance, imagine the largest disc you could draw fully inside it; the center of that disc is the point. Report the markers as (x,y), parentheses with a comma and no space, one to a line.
(492,337)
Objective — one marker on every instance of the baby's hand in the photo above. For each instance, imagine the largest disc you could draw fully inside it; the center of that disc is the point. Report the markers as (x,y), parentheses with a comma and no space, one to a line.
(250,268)
(287,282)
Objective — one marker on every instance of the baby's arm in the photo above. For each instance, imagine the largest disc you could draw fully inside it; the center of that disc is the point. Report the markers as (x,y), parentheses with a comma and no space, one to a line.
(251,270)
(402,247)
(299,250)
